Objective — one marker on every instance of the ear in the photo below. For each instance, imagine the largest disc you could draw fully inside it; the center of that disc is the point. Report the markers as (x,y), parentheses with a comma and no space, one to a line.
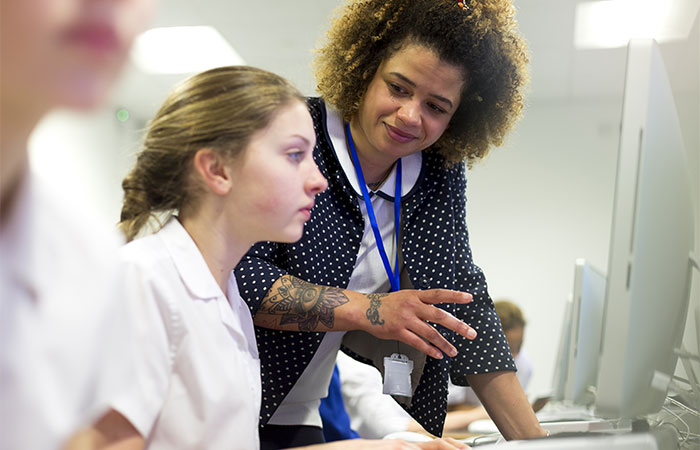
(212,169)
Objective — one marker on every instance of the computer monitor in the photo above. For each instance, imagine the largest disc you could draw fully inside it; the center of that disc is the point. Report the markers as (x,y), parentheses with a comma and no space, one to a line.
(561,365)
(586,328)
(649,270)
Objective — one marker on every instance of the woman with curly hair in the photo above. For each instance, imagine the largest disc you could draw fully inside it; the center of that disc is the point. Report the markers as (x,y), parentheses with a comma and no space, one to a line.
(412,93)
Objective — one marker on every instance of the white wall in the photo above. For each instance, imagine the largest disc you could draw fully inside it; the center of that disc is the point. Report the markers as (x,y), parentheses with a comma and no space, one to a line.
(89,154)
(536,205)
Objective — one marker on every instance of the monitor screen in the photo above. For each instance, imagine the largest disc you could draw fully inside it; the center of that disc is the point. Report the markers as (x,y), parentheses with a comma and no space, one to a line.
(648,271)
(587,330)
(561,365)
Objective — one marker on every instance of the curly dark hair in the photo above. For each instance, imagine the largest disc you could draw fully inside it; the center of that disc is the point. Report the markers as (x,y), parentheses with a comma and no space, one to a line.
(482,40)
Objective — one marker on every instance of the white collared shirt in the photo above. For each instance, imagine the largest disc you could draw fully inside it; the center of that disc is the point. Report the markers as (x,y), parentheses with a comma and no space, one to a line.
(199,381)
(64,330)
(300,407)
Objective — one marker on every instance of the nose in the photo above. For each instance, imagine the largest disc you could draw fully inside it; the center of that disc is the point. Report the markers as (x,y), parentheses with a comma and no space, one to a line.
(409,112)
(316,182)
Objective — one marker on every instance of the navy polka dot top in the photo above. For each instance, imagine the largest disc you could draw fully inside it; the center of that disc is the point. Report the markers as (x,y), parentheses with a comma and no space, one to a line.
(436,253)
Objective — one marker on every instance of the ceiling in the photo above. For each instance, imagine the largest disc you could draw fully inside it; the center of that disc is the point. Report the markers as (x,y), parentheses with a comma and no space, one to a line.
(281,36)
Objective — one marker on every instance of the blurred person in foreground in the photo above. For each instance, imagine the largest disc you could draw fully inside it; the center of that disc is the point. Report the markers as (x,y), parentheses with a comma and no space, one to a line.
(65,328)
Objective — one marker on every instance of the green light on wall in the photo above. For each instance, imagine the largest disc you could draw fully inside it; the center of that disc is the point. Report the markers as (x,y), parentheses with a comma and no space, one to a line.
(123,115)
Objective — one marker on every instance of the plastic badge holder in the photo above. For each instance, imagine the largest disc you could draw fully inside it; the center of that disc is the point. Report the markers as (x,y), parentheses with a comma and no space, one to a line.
(397,375)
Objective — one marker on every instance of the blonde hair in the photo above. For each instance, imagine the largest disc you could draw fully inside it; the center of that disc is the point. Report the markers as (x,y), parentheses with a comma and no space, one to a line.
(511,316)
(218,109)
(482,41)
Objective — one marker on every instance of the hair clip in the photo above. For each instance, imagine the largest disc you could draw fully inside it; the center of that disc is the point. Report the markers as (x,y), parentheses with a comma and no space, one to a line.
(462,5)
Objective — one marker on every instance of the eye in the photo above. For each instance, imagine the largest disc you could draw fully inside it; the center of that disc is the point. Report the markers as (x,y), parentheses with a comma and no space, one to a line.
(296,155)
(436,108)
(396,88)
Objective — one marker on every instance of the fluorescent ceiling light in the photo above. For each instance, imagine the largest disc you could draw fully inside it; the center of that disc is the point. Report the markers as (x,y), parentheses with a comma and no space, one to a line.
(182,50)
(612,23)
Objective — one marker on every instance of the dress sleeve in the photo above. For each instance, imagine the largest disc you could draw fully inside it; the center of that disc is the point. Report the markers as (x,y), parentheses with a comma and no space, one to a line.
(489,352)
(257,272)
(158,332)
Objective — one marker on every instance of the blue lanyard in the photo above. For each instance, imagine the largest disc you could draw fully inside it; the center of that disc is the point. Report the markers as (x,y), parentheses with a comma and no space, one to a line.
(393,275)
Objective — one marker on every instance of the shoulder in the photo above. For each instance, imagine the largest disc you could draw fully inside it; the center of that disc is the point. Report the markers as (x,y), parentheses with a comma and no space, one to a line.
(146,252)
(317,109)
(147,266)
(440,178)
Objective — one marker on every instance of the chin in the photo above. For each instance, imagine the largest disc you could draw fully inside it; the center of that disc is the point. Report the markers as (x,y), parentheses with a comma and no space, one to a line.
(85,90)
(288,236)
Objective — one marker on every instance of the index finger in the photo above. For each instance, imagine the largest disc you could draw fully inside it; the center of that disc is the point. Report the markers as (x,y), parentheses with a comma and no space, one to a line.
(435,296)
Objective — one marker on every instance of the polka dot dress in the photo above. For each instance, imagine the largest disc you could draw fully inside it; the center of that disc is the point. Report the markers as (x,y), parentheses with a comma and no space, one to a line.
(436,254)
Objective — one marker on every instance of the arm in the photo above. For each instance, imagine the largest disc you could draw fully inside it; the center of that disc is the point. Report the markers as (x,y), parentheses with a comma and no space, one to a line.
(295,305)
(112,432)
(500,391)
(504,399)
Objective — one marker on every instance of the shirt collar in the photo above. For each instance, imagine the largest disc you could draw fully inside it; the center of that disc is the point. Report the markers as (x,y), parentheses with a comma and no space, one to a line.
(410,165)
(188,260)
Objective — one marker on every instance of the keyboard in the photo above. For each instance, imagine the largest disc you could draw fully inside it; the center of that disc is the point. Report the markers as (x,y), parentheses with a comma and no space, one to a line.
(663,438)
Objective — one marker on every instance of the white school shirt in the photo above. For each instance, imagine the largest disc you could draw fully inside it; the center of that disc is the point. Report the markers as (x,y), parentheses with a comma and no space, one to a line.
(64,325)
(374,415)
(199,385)
(300,406)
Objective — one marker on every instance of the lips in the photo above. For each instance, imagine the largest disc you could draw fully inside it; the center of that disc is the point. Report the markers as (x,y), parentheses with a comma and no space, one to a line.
(399,135)
(306,211)
(96,37)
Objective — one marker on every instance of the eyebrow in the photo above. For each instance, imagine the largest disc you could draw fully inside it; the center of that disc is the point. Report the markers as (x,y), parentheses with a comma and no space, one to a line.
(298,137)
(408,81)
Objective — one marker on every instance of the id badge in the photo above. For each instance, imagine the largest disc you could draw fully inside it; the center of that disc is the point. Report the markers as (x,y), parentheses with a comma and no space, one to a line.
(397,375)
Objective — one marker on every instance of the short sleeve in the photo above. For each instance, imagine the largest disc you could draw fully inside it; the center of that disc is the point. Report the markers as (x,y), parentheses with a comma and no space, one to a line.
(257,272)
(157,336)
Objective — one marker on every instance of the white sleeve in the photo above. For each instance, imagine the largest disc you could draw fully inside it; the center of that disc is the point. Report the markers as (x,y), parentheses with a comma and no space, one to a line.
(156,337)
(524,365)
(461,395)
(372,414)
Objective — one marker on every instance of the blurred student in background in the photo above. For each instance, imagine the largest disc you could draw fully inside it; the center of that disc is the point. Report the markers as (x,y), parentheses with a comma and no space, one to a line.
(65,335)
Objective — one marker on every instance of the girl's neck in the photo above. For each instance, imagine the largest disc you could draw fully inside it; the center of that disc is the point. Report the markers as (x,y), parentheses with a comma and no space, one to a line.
(213,238)
(375,165)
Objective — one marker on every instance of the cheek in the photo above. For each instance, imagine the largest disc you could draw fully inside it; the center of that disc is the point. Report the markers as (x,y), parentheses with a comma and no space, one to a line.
(435,128)
(133,17)
(268,193)
(376,103)
(267,203)
(26,35)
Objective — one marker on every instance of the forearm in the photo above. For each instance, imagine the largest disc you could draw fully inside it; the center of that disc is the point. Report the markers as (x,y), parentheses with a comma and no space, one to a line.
(506,403)
(294,305)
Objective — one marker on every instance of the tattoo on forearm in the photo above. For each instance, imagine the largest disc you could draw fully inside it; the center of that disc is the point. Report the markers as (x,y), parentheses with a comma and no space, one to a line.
(375,301)
(305,304)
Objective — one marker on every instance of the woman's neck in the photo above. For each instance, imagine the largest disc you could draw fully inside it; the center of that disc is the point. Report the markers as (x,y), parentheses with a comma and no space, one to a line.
(214,240)
(376,166)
